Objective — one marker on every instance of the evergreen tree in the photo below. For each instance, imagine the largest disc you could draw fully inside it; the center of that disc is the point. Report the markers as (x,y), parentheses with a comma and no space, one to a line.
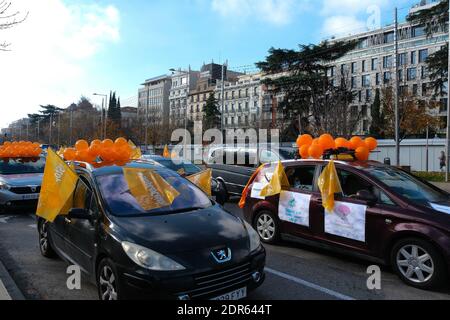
(377,115)
(435,19)
(212,115)
(112,105)
(300,77)
(118,113)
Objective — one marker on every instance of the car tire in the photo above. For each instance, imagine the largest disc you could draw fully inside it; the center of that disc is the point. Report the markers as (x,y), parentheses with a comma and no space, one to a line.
(45,245)
(418,263)
(267,226)
(222,196)
(108,282)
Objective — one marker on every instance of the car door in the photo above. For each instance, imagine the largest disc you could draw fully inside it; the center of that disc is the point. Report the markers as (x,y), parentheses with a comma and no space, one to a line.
(58,234)
(347,226)
(295,203)
(82,232)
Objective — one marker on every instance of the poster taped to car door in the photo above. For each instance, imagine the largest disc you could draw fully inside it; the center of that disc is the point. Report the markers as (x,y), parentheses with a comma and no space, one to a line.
(294,208)
(347,220)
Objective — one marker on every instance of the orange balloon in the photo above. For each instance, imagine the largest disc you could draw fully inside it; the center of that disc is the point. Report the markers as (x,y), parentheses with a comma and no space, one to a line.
(315,141)
(69,154)
(371,143)
(341,143)
(362,153)
(108,143)
(7,143)
(94,150)
(81,145)
(326,141)
(315,151)
(82,155)
(304,151)
(356,142)
(121,142)
(95,142)
(305,139)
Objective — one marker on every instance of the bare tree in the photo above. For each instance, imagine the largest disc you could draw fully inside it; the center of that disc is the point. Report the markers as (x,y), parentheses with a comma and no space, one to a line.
(9,19)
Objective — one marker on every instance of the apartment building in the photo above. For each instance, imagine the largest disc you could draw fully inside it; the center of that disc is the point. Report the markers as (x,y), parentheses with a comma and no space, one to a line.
(154,100)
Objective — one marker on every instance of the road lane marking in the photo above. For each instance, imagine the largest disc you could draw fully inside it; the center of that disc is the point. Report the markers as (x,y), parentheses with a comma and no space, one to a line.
(4,295)
(5,219)
(309,284)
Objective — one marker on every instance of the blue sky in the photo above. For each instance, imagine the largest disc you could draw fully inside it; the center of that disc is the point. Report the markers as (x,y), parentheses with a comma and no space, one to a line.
(97,46)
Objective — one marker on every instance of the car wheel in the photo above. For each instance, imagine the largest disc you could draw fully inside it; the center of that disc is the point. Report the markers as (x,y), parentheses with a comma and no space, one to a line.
(418,263)
(266,224)
(108,281)
(44,240)
(223,193)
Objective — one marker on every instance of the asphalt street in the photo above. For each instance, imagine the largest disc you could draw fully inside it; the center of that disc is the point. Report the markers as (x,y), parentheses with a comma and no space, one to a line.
(294,272)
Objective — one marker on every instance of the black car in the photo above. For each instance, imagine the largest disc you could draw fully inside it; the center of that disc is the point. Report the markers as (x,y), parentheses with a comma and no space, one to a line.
(192,249)
(187,168)
(233,167)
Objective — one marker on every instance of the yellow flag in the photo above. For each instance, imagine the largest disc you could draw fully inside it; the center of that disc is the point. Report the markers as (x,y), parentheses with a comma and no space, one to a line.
(250,181)
(61,152)
(58,184)
(149,189)
(278,181)
(329,185)
(202,180)
(166,153)
(135,151)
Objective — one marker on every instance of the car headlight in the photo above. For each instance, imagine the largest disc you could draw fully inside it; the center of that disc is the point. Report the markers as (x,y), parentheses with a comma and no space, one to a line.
(150,259)
(255,241)
(4,186)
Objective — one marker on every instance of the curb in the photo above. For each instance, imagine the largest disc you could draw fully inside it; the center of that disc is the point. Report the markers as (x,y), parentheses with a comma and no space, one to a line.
(13,292)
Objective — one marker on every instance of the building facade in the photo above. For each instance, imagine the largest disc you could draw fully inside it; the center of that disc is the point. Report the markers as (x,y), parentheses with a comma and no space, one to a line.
(182,83)
(371,65)
(154,100)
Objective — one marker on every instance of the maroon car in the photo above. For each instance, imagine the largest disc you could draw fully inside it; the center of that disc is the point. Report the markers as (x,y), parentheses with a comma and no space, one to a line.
(384,214)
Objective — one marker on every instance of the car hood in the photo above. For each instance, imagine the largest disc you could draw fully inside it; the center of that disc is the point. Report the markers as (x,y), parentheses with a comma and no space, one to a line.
(18,180)
(184,232)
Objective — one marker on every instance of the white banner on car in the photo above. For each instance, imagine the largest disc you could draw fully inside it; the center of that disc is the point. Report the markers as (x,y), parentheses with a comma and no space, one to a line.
(294,208)
(347,220)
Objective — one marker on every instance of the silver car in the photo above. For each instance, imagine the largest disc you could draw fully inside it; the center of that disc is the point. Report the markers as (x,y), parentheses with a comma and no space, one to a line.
(20,183)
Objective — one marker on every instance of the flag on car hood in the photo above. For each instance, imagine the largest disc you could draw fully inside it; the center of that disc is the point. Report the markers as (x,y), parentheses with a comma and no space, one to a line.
(278,181)
(202,180)
(149,189)
(166,153)
(329,185)
(135,151)
(58,184)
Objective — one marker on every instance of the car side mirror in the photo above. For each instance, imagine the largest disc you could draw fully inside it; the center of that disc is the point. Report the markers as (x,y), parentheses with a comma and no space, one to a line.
(80,214)
(367,196)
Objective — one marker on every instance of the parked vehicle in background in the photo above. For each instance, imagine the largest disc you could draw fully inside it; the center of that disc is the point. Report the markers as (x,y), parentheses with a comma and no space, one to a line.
(190,249)
(186,168)
(20,183)
(384,214)
(234,173)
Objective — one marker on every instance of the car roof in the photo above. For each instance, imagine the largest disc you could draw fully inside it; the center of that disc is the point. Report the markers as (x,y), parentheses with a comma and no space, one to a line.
(161,158)
(354,164)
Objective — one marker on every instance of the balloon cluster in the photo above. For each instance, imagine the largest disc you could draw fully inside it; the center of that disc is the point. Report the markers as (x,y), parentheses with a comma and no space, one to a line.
(315,148)
(22,149)
(107,150)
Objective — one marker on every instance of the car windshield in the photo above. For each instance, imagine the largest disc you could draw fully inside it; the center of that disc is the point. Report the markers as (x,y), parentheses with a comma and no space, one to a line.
(407,185)
(22,166)
(288,153)
(116,193)
(188,168)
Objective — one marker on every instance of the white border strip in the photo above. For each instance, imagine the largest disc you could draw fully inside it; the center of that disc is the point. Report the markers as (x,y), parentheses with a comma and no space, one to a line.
(309,284)
(4,295)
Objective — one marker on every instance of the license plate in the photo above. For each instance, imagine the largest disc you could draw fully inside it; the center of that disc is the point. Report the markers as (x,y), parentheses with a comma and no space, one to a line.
(234,295)
(30,196)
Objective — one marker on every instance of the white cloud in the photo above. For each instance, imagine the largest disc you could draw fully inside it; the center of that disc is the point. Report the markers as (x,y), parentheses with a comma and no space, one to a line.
(340,26)
(277,12)
(49,53)
(334,7)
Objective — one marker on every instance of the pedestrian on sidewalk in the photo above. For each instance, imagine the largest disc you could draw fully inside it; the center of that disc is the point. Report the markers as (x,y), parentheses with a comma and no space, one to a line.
(442,161)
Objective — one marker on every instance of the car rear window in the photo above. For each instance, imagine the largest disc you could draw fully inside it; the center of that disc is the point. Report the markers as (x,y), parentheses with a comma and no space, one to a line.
(188,168)
(120,202)
(22,166)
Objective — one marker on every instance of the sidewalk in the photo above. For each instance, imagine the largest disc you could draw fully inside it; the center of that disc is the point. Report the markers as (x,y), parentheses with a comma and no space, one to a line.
(442,185)
(8,288)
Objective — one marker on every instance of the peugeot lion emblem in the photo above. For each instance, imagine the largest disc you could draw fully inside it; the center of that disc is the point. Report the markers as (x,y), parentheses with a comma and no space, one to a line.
(33,189)
(221,255)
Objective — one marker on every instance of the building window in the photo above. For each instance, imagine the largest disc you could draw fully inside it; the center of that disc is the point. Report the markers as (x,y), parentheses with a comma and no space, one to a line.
(387,76)
(415,89)
(353,67)
(330,72)
(368,95)
(423,55)
(424,89)
(424,71)
(364,111)
(389,37)
(387,62)
(365,80)
(363,66)
(418,31)
(377,79)
(413,57)
(412,74)
(374,64)
(360,96)
(353,82)
(400,75)
(402,59)
(365,125)
(343,67)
